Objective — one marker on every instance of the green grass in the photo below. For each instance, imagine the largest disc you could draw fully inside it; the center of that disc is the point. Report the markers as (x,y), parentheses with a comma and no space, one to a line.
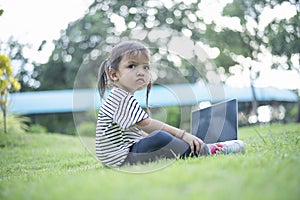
(53,166)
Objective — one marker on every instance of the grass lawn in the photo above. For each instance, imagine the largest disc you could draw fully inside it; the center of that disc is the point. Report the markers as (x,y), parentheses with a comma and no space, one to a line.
(53,166)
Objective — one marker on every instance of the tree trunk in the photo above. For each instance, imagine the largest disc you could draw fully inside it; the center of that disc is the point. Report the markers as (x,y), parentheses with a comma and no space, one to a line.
(298,115)
(254,101)
(4,121)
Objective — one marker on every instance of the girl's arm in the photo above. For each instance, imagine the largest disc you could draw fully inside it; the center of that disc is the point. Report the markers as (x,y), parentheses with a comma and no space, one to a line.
(149,125)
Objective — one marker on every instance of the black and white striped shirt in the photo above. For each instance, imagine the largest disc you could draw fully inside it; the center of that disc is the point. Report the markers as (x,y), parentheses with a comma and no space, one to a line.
(116,131)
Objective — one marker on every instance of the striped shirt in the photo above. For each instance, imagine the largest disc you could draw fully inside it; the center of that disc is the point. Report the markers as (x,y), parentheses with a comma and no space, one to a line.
(116,131)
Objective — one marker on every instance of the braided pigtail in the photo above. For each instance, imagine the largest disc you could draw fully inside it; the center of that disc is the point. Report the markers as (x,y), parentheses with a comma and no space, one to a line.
(147,96)
(102,78)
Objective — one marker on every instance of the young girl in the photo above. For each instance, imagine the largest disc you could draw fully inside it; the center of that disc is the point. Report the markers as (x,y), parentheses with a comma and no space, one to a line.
(125,133)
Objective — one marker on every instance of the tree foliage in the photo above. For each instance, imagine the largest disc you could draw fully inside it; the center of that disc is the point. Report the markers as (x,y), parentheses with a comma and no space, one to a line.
(158,24)
(25,69)
(260,31)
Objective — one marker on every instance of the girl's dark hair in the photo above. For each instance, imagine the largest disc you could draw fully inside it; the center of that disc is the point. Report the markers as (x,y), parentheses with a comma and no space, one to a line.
(112,62)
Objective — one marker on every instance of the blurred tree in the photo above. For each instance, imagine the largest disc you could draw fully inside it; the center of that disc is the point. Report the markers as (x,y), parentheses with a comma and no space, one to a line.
(25,69)
(158,24)
(8,84)
(258,32)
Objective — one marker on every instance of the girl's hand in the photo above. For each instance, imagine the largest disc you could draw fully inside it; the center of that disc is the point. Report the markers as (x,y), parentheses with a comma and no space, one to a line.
(193,141)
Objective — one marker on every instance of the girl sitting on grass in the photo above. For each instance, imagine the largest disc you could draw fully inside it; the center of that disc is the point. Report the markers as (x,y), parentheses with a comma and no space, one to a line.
(125,133)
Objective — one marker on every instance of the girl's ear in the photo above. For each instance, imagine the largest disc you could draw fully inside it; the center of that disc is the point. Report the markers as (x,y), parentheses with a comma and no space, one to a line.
(113,74)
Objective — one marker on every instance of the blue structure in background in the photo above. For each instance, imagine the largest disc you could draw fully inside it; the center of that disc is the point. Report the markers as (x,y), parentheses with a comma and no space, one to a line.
(62,101)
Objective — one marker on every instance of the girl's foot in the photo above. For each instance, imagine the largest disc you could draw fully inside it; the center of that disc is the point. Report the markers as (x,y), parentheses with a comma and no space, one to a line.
(227,147)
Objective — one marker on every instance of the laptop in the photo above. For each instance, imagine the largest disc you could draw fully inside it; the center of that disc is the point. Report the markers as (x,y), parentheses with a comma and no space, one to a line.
(216,123)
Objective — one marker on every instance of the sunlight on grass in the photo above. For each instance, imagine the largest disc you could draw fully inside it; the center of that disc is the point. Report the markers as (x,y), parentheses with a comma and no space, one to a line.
(53,166)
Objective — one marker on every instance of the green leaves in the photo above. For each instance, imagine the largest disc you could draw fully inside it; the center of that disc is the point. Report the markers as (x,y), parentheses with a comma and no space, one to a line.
(157,23)
(8,84)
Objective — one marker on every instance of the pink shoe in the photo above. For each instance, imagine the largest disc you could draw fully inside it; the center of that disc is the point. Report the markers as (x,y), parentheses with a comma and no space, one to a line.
(227,147)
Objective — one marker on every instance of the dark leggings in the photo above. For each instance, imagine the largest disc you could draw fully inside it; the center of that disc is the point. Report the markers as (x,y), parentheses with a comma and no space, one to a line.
(159,145)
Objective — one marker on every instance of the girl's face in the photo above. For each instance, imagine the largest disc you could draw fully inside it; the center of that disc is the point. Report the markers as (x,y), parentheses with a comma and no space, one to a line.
(133,72)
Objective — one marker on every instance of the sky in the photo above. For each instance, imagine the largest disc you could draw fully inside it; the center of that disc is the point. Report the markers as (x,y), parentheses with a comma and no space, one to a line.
(32,21)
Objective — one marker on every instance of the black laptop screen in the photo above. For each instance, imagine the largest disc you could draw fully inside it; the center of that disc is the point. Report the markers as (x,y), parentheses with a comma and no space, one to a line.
(216,123)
